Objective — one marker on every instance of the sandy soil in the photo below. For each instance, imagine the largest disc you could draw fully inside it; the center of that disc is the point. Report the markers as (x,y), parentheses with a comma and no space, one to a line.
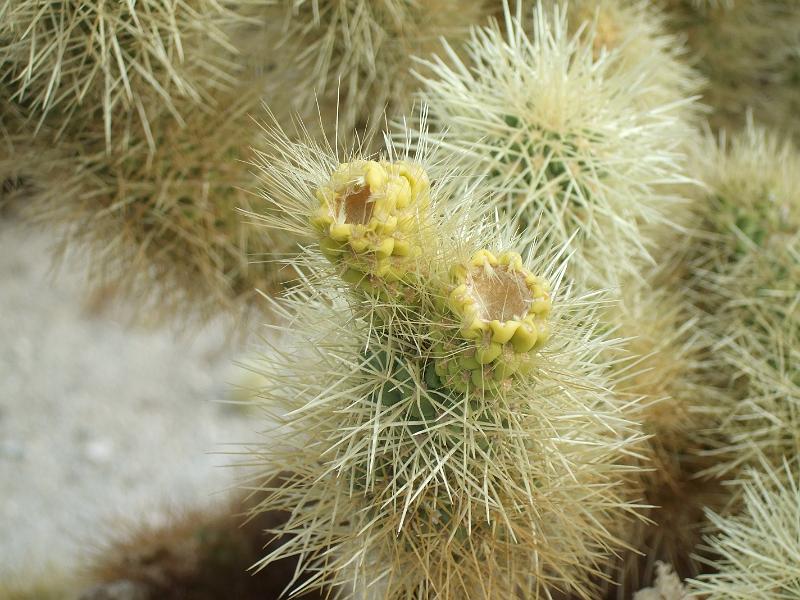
(99,422)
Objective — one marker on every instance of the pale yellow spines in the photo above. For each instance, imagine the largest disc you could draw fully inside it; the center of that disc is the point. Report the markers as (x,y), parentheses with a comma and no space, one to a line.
(744,265)
(402,482)
(561,141)
(755,552)
(637,32)
(502,307)
(369,218)
(74,63)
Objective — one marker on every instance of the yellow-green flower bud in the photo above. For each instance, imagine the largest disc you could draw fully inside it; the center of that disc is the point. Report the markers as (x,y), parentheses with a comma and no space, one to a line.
(502,307)
(369,218)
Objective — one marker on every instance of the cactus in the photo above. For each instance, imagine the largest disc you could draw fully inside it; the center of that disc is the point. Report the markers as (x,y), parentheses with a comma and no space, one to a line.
(14,162)
(756,553)
(111,132)
(404,482)
(745,264)
(358,50)
(638,31)
(165,227)
(665,365)
(83,61)
(560,136)
(199,553)
(748,51)
(28,163)
(531,352)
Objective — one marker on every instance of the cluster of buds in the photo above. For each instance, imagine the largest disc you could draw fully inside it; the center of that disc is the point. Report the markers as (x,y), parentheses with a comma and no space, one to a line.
(369,219)
(502,308)
(416,379)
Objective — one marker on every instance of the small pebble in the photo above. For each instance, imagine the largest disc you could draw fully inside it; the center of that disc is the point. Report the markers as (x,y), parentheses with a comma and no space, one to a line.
(117,590)
(99,451)
(11,450)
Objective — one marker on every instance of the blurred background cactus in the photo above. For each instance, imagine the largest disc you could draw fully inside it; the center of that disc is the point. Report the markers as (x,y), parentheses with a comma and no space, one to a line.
(530,273)
(79,62)
(118,105)
(749,53)
(358,51)
(164,227)
(744,282)
(756,551)
(561,140)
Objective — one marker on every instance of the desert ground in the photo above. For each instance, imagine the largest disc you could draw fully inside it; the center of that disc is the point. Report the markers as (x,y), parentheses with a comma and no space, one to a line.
(102,425)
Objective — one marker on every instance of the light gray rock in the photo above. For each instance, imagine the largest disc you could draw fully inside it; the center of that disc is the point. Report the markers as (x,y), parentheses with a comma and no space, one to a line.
(118,590)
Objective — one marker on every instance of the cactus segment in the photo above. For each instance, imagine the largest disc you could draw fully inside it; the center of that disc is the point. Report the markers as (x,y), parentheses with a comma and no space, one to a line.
(548,159)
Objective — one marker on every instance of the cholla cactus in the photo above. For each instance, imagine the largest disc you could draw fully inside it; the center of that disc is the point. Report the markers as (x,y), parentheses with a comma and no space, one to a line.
(563,143)
(27,163)
(665,367)
(359,49)
(638,31)
(756,553)
(404,482)
(745,269)
(201,553)
(165,228)
(748,51)
(666,351)
(74,58)
(13,162)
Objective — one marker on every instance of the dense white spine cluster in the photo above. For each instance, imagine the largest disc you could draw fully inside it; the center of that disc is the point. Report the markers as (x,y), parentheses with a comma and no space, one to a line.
(756,553)
(561,138)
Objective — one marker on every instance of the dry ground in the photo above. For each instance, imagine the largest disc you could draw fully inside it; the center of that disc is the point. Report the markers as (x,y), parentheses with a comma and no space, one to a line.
(98,422)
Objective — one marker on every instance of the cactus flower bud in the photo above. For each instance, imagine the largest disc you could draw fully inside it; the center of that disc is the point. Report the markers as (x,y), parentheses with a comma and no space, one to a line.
(369,217)
(502,307)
